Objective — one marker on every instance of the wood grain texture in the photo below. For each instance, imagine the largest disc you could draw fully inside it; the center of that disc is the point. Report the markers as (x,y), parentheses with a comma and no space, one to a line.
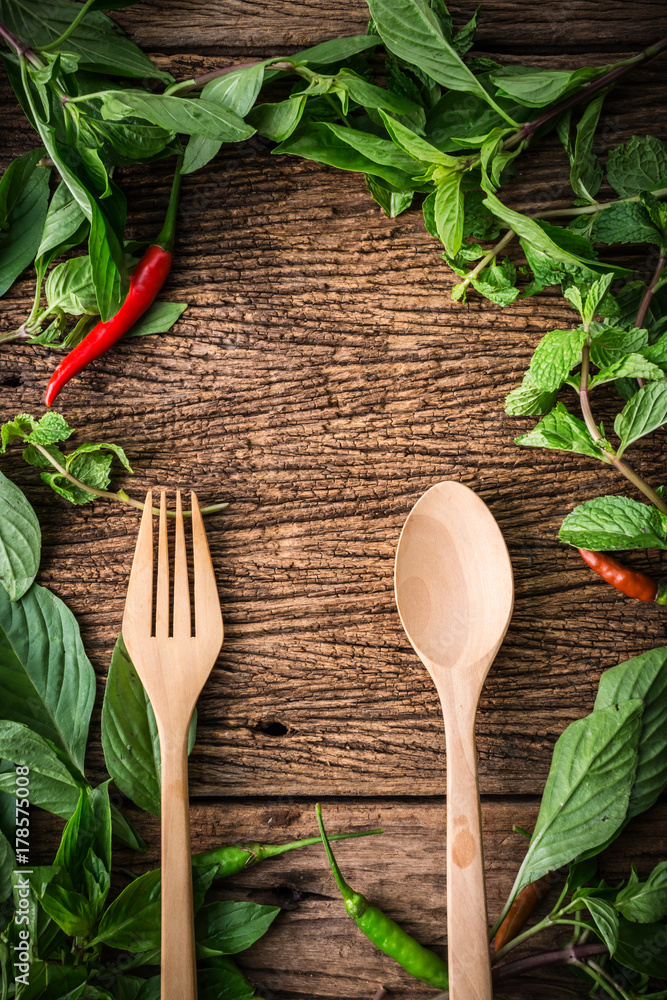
(320,381)
(314,950)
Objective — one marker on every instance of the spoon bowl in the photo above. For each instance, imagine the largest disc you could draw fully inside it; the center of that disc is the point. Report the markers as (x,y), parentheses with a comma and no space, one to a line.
(455,593)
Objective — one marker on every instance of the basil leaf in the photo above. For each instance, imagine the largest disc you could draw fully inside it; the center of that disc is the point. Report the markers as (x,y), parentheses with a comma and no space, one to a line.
(159,318)
(277,121)
(643,414)
(639,165)
(336,50)
(221,979)
(177,114)
(237,91)
(132,921)
(448,209)
(70,910)
(644,677)
(70,287)
(129,734)
(228,927)
(641,947)
(560,429)
(65,225)
(645,902)
(375,148)
(46,679)
(107,261)
(52,786)
(97,40)
(392,203)
(536,87)
(588,789)
(20,540)
(317,141)
(585,170)
(27,192)
(541,237)
(411,31)
(14,180)
(609,524)
(416,147)
(606,921)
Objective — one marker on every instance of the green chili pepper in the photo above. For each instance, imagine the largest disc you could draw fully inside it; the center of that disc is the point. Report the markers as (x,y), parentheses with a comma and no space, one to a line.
(233,859)
(385,932)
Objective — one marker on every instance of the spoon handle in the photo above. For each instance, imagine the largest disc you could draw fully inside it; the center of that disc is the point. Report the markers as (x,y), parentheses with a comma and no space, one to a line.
(467,924)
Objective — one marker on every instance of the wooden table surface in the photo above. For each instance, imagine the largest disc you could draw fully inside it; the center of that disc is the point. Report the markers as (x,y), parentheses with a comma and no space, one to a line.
(320,380)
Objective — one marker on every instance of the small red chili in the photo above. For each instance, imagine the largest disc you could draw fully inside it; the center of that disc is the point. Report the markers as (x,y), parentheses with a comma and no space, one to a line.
(146,281)
(629,581)
(520,910)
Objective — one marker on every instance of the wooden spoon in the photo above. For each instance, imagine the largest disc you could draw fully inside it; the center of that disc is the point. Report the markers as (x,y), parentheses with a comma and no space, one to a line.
(455,592)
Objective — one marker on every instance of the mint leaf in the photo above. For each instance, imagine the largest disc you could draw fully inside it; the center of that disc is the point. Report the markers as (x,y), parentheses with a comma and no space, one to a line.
(555,356)
(17,429)
(624,222)
(529,399)
(613,524)
(631,366)
(645,413)
(50,429)
(115,448)
(496,283)
(563,431)
(639,165)
(610,343)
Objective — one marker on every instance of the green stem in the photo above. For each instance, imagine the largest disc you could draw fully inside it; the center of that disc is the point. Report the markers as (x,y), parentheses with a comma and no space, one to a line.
(500,245)
(549,921)
(345,890)
(605,975)
(120,496)
(609,456)
(68,31)
(22,50)
(555,213)
(167,235)
(185,86)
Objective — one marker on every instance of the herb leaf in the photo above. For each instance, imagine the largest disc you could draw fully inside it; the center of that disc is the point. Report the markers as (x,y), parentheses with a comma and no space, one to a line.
(644,413)
(608,524)
(129,734)
(560,429)
(52,786)
(645,902)
(177,114)
(639,165)
(555,356)
(644,677)
(46,680)
(411,31)
(229,927)
(20,540)
(588,789)
(26,194)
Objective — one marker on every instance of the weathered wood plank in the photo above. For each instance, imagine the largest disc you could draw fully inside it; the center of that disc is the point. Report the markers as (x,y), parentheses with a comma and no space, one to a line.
(313,949)
(221,26)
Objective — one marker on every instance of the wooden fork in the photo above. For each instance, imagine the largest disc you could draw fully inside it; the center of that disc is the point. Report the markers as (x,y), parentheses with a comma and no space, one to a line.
(173,669)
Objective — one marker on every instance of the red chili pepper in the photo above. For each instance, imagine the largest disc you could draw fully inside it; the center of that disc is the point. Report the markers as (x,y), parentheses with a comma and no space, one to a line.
(521,909)
(628,581)
(146,281)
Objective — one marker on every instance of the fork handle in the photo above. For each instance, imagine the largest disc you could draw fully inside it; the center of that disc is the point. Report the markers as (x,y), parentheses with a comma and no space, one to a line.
(177,939)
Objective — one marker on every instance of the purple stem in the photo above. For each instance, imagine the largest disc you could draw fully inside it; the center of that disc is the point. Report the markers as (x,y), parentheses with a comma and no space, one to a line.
(648,294)
(200,81)
(563,957)
(22,50)
(381,993)
(606,80)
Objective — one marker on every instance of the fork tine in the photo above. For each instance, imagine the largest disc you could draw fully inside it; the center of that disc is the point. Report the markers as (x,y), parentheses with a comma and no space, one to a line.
(182,624)
(138,606)
(207,603)
(162,600)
